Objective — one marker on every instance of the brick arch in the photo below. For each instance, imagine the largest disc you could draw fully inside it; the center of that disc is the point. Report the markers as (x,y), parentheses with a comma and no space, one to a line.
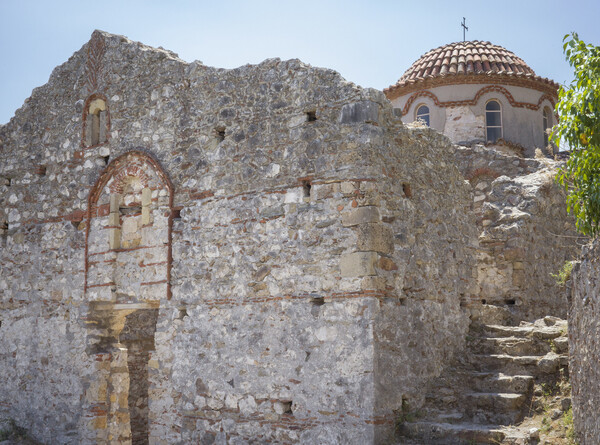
(86,110)
(489,88)
(129,164)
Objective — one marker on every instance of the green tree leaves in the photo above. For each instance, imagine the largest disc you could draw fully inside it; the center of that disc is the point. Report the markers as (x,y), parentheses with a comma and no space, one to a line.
(579,126)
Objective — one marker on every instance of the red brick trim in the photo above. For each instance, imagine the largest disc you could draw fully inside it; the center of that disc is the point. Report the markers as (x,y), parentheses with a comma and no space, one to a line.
(532,82)
(475,99)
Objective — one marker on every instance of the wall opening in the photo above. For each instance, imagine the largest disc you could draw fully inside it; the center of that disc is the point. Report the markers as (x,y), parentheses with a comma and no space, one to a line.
(311,116)
(306,186)
(220,134)
(95,121)
(123,335)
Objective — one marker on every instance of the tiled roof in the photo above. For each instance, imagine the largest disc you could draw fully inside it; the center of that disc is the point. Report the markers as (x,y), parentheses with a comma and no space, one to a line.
(473,58)
(466,58)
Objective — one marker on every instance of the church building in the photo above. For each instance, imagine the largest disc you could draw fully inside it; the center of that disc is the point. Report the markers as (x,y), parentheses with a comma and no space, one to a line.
(478,92)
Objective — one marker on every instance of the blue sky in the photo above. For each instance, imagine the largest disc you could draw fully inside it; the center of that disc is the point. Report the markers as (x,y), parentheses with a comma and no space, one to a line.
(369,42)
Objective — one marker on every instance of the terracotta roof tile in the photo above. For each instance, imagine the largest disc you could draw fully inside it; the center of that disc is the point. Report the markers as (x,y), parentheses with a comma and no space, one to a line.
(464,57)
(475,59)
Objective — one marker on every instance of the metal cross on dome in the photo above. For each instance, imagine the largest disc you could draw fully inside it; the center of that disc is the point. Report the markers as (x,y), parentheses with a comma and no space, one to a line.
(465,27)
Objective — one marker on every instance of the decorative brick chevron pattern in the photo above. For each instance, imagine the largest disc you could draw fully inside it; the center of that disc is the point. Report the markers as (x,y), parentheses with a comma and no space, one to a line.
(93,69)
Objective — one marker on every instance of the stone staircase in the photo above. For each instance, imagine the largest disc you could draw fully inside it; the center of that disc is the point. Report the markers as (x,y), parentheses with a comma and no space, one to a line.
(483,396)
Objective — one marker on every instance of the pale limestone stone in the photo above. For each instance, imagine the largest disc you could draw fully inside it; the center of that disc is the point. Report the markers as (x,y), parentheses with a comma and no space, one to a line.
(145,215)
(146,196)
(360,215)
(114,238)
(375,237)
(358,264)
(115,200)
(113,219)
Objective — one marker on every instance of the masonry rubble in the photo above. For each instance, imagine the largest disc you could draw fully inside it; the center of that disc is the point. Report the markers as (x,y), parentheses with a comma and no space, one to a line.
(192,254)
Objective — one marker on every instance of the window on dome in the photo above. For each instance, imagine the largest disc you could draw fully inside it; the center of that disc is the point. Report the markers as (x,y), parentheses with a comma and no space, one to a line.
(547,124)
(423,114)
(493,121)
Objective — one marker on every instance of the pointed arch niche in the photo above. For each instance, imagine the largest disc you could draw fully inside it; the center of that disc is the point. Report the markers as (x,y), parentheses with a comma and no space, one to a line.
(128,240)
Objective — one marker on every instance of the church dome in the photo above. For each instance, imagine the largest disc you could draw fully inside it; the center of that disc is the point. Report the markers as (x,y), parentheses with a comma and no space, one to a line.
(469,62)
(466,58)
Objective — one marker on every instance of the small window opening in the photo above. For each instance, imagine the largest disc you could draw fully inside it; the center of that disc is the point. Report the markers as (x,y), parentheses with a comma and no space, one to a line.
(3,232)
(407,190)
(105,159)
(318,301)
(423,114)
(311,116)
(220,133)
(96,123)
(41,170)
(96,128)
(306,189)
(510,302)
(493,121)
(483,301)
(182,313)
(286,406)
(130,210)
(177,214)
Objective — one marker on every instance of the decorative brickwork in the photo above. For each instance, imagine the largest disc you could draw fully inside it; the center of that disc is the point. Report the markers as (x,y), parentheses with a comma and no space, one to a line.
(475,99)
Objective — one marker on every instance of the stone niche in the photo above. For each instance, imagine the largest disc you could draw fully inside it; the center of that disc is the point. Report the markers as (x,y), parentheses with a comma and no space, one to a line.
(127,276)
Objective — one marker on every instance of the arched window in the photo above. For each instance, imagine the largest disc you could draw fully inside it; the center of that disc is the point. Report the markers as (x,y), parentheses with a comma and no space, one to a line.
(423,114)
(546,124)
(493,121)
(96,121)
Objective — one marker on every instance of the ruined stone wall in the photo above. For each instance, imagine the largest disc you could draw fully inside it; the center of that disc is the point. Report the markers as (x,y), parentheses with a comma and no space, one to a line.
(431,268)
(525,234)
(584,345)
(267,243)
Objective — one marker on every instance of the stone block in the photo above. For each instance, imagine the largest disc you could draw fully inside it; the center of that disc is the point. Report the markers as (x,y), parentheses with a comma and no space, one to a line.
(146,196)
(115,200)
(113,219)
(114,238)
(359,112)
(518,278)
(145,215)
(358,264)
(375,237)
(361,215)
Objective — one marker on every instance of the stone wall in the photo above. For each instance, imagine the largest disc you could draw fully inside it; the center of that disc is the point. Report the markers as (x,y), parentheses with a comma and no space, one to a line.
(584,345)
(268,243)
(525,233)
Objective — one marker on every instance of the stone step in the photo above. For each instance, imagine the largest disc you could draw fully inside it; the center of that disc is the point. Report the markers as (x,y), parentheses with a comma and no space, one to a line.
(497,408)
(499,382)
(498,330)
(523,330)
(436,433)
(510,345)
(534,365)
